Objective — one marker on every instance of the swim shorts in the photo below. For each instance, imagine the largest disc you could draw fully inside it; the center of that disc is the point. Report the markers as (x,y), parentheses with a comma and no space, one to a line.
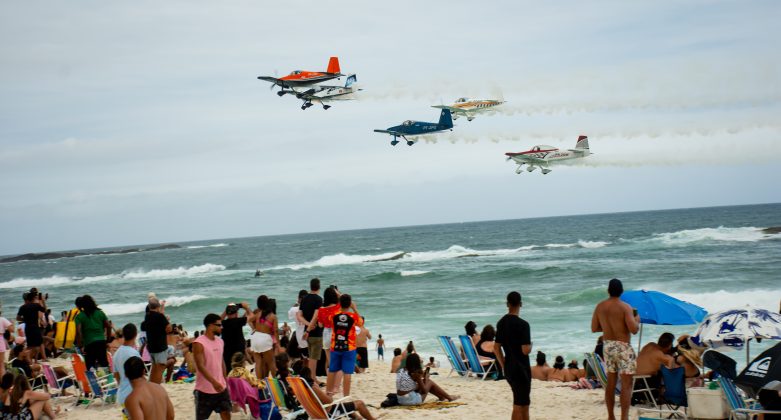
(343,361)
(520,380)
(206,404)
(315,347)
(620,357)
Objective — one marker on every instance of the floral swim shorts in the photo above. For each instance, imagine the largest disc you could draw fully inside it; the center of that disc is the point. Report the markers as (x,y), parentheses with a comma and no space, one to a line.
(620,357)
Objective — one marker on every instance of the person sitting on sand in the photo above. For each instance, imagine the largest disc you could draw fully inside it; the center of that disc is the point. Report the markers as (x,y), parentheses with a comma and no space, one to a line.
(148,400)
(24,403)
(354,405)
(541,369)
(471,331)
(396,362)
(573,370)
(413,384)
(432,363)
(559,373)
(689,357)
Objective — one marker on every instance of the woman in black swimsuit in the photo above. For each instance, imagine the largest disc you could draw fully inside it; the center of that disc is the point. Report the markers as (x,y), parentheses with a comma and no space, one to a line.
(26,404)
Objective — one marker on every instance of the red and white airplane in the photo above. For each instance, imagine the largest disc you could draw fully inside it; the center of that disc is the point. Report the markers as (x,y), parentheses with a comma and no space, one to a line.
(542,156)
(299,78)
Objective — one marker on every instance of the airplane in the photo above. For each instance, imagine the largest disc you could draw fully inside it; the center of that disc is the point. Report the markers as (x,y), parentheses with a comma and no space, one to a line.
(470,107)
(321,93)
(298,78)
(416,128)
(542,156)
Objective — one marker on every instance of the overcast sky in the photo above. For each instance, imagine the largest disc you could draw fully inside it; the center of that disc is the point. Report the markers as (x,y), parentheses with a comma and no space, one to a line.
(143,122)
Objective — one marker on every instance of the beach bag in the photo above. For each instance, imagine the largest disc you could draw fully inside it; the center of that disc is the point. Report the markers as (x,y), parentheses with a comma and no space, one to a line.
(66,331)
(268,411)
(391,400)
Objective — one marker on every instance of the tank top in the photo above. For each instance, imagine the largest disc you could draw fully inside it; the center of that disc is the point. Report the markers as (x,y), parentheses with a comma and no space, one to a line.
(212,354)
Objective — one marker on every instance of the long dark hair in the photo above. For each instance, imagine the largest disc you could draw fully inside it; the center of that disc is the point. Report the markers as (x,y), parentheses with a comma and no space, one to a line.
(330,297)
(20,386)
(88,305)
(413,363)
(559,363)
(266,306)
(471,328)
(488,333)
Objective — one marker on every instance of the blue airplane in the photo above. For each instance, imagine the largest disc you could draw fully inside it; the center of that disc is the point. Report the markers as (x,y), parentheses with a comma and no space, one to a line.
(416,128)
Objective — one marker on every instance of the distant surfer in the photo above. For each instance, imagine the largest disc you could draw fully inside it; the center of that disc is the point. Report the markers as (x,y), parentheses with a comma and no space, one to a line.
(258,273)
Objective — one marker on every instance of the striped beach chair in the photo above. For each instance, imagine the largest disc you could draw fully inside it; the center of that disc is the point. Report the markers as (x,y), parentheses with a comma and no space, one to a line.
(53,382)
(278,394)
(598,366)
(457,364)
(313,406)
(478,367)
(740,408)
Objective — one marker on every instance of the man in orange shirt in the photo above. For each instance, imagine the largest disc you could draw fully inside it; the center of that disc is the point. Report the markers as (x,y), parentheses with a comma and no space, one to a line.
(343,343)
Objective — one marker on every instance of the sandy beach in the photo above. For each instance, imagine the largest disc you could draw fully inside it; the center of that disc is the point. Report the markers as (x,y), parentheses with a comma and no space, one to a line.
(482,399)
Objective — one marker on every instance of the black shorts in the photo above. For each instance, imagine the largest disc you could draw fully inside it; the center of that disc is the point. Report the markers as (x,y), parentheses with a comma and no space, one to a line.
(34,337)
(363,357)
(520,382)
(206,404)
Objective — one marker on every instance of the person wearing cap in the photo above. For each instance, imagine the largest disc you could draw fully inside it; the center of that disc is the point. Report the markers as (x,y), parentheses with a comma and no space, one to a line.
(512,346)
(232,330)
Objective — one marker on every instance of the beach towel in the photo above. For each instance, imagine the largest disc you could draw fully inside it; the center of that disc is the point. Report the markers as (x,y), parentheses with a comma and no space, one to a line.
(431,405)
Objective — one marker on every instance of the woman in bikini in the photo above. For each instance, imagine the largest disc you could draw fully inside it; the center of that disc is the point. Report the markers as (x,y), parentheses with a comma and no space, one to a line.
(264,340)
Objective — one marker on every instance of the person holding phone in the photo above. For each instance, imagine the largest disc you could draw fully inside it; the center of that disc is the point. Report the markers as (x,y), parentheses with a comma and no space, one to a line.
(413,384)
(617,322)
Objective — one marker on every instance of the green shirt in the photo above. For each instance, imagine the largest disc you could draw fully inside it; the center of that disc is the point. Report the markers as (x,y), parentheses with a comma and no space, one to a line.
(92,327)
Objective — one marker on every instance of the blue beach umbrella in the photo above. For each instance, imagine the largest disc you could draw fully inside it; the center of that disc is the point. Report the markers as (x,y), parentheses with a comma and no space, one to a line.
(662,309)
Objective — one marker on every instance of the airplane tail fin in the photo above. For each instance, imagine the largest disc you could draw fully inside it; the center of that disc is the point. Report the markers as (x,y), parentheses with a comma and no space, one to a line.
(333,65)
(350,80)
(582,143)
(446,119)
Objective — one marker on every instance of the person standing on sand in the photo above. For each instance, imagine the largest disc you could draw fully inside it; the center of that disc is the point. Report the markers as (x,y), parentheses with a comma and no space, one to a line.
(313,334)
(514,337)
(157,328)
(211,393)
(615,320)
(362,347)
(122,355)
(380,348)
(148,400)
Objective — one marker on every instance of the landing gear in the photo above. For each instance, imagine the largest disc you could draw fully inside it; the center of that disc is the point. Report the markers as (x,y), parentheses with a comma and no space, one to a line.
(410,142)
(394,142)
(326,106)
(281,93)
(531,168)
(306,105)
(470,118)
(546,171)
(519,170)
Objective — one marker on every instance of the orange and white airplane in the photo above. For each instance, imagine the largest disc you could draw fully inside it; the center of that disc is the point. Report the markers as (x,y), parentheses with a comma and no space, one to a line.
(470,107)
(298,78)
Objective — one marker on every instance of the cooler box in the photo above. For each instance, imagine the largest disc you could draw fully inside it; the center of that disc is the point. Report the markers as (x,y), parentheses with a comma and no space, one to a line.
(707,403)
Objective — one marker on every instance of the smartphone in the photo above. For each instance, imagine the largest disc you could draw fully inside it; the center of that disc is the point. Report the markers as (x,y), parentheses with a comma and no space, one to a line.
(634,311)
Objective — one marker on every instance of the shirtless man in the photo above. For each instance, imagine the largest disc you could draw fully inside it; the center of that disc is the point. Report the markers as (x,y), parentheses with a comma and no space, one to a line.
(362,344)
(396,362)
(615,320)
(541,369)
(653,355)
(148,399)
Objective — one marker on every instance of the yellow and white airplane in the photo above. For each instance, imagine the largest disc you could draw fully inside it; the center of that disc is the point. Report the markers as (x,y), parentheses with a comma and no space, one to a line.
(470,107)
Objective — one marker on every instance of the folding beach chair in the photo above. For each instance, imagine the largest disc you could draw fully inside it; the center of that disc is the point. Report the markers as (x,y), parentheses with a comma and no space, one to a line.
(55,383)
(279,398)
(477,366)
(674,394)
(103,388)
(313,406)
(453,356)
(245,396)
(598,366)
(740,408)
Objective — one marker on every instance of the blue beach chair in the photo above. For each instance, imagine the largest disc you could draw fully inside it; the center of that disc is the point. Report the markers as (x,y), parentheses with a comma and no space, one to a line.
(674,394)
(477,366)
(740,408)
(453,356)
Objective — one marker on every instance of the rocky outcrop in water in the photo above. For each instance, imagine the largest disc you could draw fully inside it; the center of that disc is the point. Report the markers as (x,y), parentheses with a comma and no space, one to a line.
(772,230)
(56,255)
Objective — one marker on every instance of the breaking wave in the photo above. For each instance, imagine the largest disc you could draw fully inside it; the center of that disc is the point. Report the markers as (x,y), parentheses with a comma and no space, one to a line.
(219,245)
(133,308)
(721,233)
(413,273)
(720,300)
(134,274)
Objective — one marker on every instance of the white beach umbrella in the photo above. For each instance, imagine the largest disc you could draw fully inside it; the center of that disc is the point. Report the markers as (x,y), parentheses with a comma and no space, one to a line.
(734,328)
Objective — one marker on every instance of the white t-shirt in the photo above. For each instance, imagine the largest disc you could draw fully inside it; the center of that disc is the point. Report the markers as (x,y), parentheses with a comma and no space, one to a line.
(4,324)
(291,314)
(120,357)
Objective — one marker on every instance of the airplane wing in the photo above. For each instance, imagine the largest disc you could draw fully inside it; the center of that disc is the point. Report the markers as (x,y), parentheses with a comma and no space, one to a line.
(396,133)
(526,159)
(269,79)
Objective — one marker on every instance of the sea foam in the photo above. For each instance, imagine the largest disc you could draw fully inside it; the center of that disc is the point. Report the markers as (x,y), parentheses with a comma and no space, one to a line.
(134,308)
(219,245)
(720,300)
(721,233)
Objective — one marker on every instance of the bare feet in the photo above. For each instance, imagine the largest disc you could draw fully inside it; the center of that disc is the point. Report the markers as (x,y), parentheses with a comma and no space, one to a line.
(454,397)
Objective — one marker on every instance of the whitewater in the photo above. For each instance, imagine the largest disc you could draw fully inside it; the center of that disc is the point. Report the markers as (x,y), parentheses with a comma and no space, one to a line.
(413,283)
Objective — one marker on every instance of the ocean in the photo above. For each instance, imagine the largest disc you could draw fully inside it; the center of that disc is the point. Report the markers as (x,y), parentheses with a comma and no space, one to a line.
(417,282)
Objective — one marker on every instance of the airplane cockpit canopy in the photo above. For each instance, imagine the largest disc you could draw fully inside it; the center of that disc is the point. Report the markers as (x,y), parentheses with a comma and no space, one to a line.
(296,72)
(461,100)
(408,122)
(542,147)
